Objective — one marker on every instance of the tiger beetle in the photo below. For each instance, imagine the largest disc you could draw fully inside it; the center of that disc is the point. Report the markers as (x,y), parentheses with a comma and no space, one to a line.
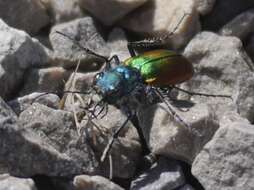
(136,78)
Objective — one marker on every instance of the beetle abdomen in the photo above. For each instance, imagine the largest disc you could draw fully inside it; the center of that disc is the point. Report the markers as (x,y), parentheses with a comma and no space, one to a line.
(161,67)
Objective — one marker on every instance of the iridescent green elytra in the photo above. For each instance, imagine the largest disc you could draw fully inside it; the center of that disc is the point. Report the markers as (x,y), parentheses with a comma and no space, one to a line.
(161,67)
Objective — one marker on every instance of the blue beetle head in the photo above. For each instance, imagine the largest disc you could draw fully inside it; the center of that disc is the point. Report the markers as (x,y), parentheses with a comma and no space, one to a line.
(109,85)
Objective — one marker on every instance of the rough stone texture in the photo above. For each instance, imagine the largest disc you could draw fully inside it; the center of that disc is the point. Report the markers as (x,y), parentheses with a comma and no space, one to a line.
(110,11)
(240,26)
(219,17)
(226,162)
(26,153)
(158,18)
(250,47)
(86,32)
(204,7)
(80,81)
(28,15)
(17,53)
(164,174)
(244,97)
(57,128)
(50,79)
(168,137)
(126,149)
(8,182)
(83,182)
(232,116)
(221,67)
(63,10)
(20,104)
(117,42)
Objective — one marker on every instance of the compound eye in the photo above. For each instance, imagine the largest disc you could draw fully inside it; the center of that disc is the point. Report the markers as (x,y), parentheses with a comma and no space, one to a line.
(98,76)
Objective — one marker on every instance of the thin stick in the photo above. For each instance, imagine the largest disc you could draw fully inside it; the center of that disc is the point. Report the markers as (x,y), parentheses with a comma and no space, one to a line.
(110,167)
(73,81)
(63,100)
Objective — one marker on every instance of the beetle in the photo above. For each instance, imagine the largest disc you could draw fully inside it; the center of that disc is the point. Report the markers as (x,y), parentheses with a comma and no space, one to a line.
(142,75)
(139,75)
(126,84)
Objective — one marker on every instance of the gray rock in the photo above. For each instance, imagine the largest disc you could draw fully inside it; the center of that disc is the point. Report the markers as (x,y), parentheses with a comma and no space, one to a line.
(110,11)
(57,129)
(164,174)
(20,104)
(85,31)
(240,26)
(83,182)
(62,10)
(17,53)
(219,17)
(26,153)
(204,7)
(26,15)
(220,65)
(159,18)
(13,183)
(232,116)
(166,136)
(117,41)
(226,162)
(244,97)
(50,79)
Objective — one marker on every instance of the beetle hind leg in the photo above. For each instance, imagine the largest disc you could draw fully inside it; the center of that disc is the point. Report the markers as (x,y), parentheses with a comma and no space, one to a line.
(147,43)
(154,42)
(175,115)
(191,93)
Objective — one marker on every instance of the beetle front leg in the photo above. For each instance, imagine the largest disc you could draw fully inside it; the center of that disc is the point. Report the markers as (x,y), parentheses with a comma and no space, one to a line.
(114,136)
(78,44)
(108,63)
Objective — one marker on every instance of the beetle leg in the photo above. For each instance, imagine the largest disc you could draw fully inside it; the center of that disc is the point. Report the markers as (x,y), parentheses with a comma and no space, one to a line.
(171,110)
(148,43)
(131,46)
(114,136)
(116,60)
(155,41)
(201,94)
(175,115)
(177,25)
(87,50)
